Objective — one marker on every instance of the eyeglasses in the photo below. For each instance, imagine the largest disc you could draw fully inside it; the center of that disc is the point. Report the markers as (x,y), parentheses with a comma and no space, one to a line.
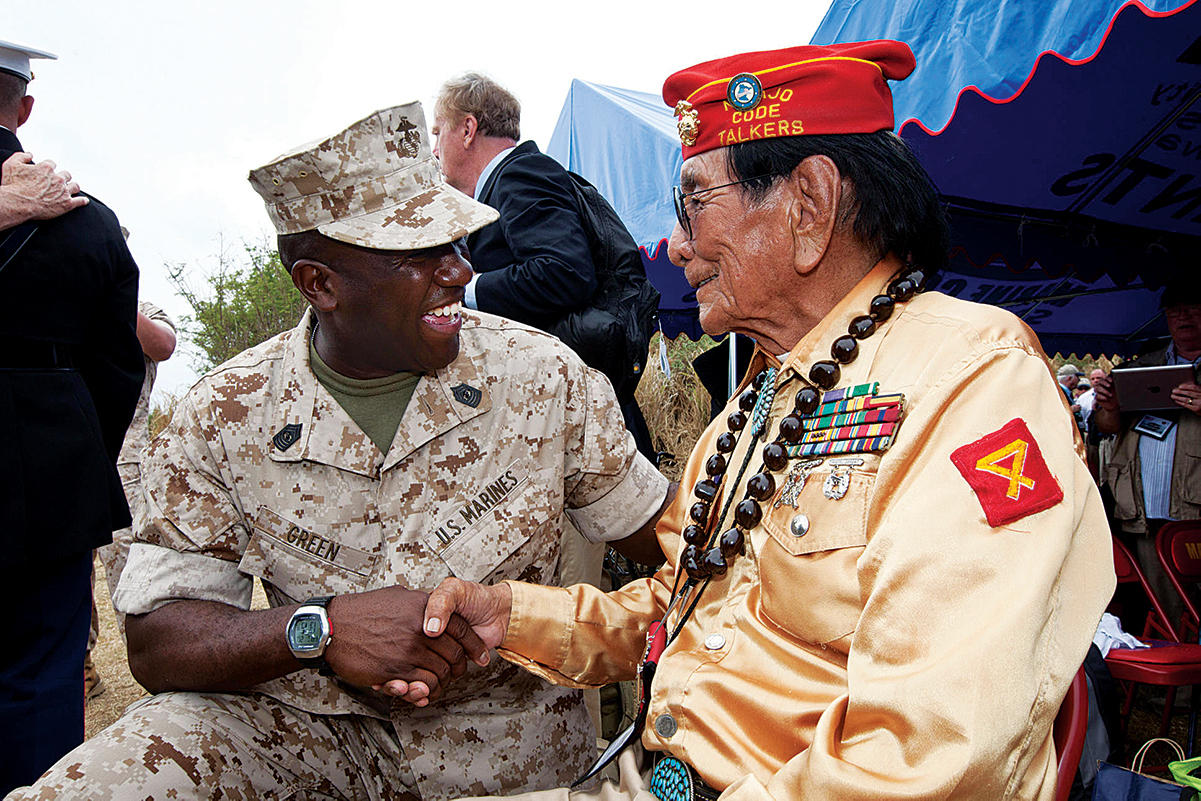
(681,209)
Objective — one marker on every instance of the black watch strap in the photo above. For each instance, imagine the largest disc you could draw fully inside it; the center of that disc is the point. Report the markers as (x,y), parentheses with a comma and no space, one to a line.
(318,663)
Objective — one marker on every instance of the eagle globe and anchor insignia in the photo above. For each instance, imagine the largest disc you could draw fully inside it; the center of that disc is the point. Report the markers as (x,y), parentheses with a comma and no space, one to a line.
(688,123)
(744,91)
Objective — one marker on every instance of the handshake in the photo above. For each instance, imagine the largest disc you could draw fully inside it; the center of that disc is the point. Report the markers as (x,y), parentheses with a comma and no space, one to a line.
(411,646)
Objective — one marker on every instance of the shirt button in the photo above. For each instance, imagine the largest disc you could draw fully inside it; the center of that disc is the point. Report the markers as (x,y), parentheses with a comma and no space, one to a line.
(799,526)
(665,725)
(715,642)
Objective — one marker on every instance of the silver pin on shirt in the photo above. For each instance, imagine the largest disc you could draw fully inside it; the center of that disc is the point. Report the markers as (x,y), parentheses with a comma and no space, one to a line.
(797,475)
(839,480)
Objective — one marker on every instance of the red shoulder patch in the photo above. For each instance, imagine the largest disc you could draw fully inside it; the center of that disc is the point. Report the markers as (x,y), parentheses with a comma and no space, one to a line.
(1007,472)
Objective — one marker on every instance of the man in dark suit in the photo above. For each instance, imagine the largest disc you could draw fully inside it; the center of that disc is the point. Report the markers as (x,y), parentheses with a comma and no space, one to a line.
(534,264)
(70,374)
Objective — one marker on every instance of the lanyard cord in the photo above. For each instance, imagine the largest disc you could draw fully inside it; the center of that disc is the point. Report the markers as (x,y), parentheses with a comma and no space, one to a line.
(725,511)
(756,435)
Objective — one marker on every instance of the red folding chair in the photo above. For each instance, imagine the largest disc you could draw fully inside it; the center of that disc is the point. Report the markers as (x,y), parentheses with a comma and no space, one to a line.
(1178,546)
(1071,724)
(1169,663)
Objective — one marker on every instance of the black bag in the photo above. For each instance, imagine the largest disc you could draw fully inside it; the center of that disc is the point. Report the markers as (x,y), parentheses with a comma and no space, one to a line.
(613,332)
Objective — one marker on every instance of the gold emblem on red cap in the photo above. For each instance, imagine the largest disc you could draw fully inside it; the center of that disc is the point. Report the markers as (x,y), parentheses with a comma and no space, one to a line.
(688,123)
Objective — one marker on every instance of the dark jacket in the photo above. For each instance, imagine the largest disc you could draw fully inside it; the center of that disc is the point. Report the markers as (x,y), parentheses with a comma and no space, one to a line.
(534,262)
(70,375)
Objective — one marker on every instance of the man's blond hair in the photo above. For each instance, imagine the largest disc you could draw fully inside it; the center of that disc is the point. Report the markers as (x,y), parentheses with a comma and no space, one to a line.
(496,110)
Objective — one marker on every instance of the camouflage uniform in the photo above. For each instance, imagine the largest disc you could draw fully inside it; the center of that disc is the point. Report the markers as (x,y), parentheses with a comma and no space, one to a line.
(261,473)
(129,466)
(138,435)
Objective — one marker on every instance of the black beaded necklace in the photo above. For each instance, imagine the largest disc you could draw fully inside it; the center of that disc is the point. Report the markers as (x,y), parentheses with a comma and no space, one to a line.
(703,558)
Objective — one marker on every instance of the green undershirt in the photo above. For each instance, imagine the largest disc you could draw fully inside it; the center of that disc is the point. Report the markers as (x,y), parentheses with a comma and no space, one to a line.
(375,404)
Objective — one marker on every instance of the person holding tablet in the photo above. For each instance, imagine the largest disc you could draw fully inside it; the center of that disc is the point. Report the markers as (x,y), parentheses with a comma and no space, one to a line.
(1155,471)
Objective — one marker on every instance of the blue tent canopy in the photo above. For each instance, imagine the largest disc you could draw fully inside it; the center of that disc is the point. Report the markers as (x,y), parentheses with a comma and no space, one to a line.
(602,133)
(1069,163)
(1055,213)
(961,43)
(626,144)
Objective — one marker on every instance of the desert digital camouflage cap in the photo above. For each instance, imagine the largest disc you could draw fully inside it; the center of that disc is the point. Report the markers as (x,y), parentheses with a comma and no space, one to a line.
(375,184)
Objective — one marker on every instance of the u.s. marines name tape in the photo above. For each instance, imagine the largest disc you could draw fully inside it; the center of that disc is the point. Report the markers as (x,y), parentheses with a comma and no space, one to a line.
(464,517)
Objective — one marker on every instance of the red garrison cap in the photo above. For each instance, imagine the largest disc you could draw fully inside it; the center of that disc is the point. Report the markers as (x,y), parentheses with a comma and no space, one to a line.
(811,89)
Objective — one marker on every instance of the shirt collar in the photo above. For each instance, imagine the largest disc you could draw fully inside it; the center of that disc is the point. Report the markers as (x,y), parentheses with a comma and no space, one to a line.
(329,436)
(815,345)
(482,181)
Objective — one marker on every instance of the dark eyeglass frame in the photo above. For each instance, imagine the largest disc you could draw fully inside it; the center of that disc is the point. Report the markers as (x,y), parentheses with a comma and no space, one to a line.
(682,212)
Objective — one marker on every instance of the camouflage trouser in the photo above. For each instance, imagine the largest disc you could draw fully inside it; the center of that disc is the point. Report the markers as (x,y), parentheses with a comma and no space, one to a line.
(94,626)
(202,745)
(630,785)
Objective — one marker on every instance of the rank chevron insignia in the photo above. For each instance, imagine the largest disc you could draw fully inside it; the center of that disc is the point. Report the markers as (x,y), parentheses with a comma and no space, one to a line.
(287,436)
(467,395)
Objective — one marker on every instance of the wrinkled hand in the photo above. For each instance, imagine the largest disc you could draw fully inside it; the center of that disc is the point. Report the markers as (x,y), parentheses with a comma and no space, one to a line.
(36,191)
(377,636)
(486,609)
(1188,396)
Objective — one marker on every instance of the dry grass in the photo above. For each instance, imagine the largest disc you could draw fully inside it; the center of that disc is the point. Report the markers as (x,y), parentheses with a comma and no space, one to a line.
(1144,725)
(160,412)
(120,688)
(676,410)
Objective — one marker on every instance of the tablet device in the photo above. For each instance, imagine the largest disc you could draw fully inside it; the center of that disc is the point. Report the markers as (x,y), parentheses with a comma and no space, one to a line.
(1150,388)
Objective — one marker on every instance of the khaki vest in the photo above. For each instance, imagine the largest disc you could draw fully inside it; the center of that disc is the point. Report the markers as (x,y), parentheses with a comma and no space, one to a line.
(1123,472)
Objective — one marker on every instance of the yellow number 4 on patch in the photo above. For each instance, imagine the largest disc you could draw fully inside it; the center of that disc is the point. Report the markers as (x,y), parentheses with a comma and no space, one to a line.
(1011,453)
(992,464)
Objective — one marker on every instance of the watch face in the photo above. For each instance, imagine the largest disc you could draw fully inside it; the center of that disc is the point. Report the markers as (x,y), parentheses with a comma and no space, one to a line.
(306,632)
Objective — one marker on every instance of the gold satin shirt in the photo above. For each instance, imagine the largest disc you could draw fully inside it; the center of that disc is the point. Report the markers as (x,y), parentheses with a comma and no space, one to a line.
(902,647)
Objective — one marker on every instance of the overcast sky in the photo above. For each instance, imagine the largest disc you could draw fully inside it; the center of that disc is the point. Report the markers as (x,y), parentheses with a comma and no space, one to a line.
(161,108)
